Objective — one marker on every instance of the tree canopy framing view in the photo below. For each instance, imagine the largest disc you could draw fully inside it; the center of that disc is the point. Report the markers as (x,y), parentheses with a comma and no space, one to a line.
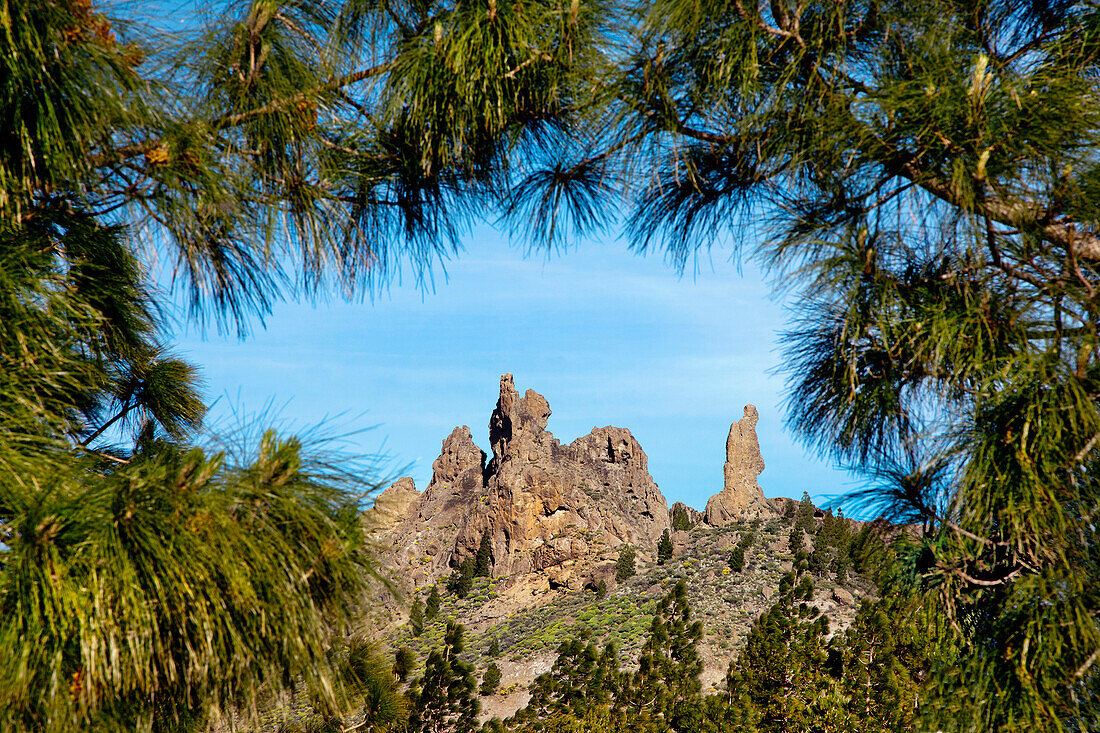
(923,175)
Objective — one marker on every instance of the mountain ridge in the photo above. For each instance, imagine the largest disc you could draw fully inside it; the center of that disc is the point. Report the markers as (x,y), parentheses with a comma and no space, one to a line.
(555,519)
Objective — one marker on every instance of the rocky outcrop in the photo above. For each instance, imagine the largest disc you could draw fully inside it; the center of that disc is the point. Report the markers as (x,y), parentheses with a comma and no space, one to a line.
(393,506)
(741,495)
(544,505)
(688,517)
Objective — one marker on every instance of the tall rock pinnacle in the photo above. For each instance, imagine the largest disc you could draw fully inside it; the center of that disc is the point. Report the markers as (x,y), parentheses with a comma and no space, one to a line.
(740,494)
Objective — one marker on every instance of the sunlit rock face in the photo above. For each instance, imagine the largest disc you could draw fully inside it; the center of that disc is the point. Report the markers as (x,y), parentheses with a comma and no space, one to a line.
(546,507)
(741,495)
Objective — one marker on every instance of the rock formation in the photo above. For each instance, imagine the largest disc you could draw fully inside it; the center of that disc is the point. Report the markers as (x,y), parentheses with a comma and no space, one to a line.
(693,516)
(393,506)
(741,495)
(547,507)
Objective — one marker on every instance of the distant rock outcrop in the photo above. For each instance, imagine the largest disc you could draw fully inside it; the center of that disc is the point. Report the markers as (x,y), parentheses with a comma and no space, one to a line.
(683,517)
(741,494)
(394,505)
(546,507)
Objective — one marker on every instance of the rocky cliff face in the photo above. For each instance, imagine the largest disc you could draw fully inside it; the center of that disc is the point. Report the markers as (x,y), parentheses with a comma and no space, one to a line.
(393,506)
(741,495)
(562,510)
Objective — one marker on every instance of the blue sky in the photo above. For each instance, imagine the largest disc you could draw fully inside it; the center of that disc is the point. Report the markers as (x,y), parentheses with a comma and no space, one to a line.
(607,336)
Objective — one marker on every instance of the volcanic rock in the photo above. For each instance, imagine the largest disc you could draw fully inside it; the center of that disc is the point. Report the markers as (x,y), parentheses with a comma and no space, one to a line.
(741,495)
(543,505)
(394,505)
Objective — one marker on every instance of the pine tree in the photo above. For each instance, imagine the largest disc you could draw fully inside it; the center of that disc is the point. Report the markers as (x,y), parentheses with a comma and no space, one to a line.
(124,549)
(841,565)
(462,580)
(737,559)
(247,155)
(403,663)
(416,617)
(681,522)
(369,693)
(483,563)
(582,678)
(444,698)
(928,170)
(796,540)
(779,675)
(804,520)
(431,608)
(667,685)
(624,566)
(664,548)
(490,681)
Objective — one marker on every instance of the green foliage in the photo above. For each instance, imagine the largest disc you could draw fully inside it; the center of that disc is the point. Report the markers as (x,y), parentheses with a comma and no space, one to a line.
(431,608)
(929,175)
(586,690)
(490,681)
(404,661)
(737,559)
(444,697)
(681,521)
(841,563)
(494,648)
(804,519)
(664,548)
(257,151)
(339,136)
(416,617)
(779,673)
(796,540)
(368,693)
(120,575)
(669,666)
(582,677)
(831,548)
(624,566)
(882,662)
(462,580)
(136,572)
(483,563)
(601,590)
